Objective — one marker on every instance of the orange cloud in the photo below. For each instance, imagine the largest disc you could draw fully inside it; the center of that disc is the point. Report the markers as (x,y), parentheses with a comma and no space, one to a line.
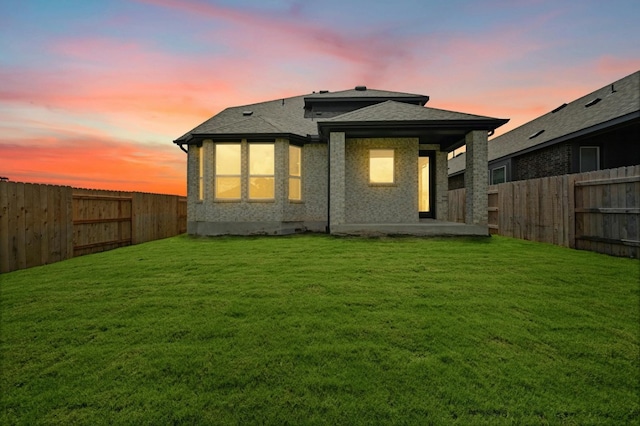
(95,163)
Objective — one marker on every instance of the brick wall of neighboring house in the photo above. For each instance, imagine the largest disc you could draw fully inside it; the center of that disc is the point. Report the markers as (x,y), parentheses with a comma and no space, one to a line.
(456,182)
(551,161)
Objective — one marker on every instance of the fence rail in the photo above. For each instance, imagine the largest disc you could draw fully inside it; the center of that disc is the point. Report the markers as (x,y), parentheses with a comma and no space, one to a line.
(596,211)
(41,224)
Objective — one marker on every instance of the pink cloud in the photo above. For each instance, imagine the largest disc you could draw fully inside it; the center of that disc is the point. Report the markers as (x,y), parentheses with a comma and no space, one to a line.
(374,51)
(613,66)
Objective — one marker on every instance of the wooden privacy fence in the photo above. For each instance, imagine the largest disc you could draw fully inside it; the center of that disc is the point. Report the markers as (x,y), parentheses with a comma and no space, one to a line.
(41,224)
(597,211)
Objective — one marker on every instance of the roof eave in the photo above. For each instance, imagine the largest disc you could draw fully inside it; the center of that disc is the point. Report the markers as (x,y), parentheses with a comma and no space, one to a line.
(470,124)
(197,138)
(422,99)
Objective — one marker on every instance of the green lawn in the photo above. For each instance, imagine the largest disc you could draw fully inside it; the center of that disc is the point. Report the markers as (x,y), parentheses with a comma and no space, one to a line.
(313,329)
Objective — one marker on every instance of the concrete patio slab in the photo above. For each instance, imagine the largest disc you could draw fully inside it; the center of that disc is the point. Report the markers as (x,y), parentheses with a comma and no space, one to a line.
(424,228)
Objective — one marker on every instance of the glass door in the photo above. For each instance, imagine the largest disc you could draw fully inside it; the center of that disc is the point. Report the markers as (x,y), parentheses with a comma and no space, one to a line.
(426,192)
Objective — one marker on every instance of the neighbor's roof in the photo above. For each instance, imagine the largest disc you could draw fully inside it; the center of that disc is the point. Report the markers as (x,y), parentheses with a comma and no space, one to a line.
(610,105)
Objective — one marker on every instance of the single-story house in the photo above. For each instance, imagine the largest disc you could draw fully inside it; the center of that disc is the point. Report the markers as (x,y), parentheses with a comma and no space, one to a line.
(357,161)
(600,130)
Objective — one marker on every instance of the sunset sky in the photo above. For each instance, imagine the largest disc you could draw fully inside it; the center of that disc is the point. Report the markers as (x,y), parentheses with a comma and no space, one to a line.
(93,92)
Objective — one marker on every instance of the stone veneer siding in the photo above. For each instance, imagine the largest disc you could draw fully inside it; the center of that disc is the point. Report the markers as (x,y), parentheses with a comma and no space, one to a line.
(476,178)
(551,161)
(442,186)
(214,217)
(381,203)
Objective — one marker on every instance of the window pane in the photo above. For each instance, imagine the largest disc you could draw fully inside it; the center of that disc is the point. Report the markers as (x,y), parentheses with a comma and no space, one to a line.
(295,190)
(261,159)
(228,159)
(261,188)
(423,184)
(498,175)
(294,160)
(228,187)
(381,166)
(589,158)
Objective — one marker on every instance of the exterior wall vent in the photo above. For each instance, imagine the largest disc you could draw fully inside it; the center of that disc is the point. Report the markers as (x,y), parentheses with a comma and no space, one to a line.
(247,113)
(559,108)
(536,134)
(592,102)
(361,88)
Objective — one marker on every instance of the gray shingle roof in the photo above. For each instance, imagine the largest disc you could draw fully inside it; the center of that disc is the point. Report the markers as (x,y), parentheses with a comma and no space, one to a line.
(574,117)
(368,93)
(286,116)
(277,116)
(398,111)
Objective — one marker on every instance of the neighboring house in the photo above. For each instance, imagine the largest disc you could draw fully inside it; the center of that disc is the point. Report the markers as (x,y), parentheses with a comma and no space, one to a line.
(598,131)
(358,161)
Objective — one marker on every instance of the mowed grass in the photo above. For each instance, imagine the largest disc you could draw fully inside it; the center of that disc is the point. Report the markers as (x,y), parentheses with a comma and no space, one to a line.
(313,329)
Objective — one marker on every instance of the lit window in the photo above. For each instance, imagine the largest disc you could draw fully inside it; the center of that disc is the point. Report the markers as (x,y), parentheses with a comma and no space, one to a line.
(228,171)
(499,175)
(381,166)
(261,171)
(200,173)
(589,158)
(295,175)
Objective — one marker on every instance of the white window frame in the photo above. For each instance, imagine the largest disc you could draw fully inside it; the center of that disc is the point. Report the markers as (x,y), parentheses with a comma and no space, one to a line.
(505,175)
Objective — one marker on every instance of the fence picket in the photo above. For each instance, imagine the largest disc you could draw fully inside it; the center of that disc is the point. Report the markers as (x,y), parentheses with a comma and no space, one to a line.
(595,211)
(41,224)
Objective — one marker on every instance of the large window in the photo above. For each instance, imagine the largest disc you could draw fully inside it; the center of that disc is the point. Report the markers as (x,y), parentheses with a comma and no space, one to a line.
(589,158)
(295,173)
(381,166)
(261,171)
(228,171)
(498,175)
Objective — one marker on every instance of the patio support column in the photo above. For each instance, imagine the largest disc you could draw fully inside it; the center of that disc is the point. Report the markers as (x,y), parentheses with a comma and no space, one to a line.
(337,180)
(476,177)
(442,186)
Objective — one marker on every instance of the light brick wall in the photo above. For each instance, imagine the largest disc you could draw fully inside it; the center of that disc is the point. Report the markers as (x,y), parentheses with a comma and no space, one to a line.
(476,177)
(315,182)
(442,186)
(337,178)
(367,203)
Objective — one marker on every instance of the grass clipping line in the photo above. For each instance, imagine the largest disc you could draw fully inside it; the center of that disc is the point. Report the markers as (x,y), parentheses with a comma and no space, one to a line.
(313,329)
